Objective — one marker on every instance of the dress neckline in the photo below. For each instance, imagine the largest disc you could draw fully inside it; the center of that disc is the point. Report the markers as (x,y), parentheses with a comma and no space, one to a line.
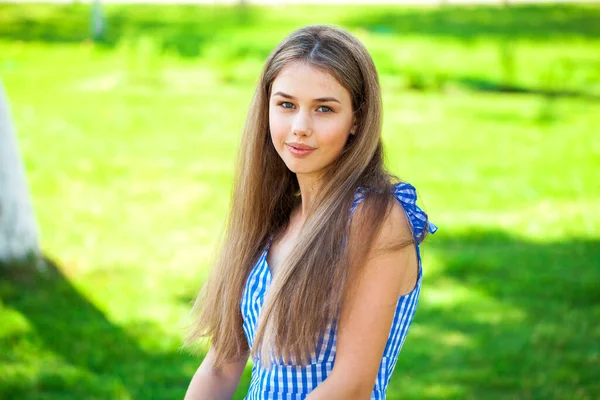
(266,254)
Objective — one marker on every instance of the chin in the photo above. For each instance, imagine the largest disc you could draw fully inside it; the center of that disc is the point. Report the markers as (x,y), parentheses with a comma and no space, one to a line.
(304,169)
(299,169)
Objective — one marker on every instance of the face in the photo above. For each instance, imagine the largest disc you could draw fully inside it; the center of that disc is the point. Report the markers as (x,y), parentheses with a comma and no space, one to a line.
(310,118)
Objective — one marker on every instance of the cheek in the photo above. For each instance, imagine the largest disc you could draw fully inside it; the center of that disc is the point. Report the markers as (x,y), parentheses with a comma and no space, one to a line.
(277,127)
(334,135)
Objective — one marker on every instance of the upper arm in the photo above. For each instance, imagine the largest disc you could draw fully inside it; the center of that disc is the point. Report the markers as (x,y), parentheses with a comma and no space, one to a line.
(231,370)
(211,383)
(369,305)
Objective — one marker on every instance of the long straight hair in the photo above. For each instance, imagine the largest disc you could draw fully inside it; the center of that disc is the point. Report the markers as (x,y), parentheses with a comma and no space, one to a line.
(307,291)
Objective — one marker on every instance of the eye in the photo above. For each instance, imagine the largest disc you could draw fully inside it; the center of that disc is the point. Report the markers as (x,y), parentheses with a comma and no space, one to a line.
(324,109)
(286,104)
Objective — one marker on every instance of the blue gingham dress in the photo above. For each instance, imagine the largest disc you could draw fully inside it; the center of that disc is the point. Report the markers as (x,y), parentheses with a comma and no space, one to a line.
(291,382)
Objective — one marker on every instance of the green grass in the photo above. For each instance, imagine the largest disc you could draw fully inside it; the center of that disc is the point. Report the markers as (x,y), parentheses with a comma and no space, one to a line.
(129,145)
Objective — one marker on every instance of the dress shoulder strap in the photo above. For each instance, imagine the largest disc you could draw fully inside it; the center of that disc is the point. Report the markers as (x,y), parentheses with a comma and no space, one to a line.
(406,194)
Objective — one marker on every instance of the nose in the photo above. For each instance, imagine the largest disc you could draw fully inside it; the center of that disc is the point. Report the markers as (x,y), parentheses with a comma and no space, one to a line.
(302,124)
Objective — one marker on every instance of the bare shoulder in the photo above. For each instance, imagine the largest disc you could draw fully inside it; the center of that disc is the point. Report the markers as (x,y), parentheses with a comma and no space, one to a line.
(395,231)
(392,257)
(396,226)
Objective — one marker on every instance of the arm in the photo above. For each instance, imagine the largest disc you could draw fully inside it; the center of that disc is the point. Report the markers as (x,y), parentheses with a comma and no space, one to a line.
(211,384)
(368,311)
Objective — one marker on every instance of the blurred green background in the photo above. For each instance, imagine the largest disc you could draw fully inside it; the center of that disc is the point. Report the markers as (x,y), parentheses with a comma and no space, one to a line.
(129,140)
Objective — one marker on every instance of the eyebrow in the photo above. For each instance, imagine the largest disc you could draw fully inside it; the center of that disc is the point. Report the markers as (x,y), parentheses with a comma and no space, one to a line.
(319,100)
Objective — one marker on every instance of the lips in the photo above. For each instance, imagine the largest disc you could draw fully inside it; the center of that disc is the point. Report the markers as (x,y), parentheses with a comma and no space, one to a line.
(299,149)
(300,146)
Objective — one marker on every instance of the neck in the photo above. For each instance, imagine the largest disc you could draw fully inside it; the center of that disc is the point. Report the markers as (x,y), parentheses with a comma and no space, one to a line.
(309,184)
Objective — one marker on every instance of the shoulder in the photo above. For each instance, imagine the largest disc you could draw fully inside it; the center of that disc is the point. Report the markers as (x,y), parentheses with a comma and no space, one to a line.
(383,211)
(395,228)
(402,203)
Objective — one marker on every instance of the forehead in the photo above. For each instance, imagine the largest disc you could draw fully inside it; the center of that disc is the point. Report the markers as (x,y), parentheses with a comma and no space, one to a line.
(306,82)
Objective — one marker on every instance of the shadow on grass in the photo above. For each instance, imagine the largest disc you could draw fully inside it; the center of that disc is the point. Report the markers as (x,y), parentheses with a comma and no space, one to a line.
(65,323)
(185,29)
(505,318)
(182,29)
(472,23)
(502,317)
(419,81)
(487,85)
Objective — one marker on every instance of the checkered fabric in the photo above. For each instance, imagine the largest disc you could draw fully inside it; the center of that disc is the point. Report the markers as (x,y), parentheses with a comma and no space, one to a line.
(291,382)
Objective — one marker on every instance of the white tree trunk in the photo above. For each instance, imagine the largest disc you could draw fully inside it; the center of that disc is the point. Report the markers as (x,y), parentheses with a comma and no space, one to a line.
(18,230)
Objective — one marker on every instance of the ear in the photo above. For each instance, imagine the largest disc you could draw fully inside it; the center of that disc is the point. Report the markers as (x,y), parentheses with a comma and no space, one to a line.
(354,126)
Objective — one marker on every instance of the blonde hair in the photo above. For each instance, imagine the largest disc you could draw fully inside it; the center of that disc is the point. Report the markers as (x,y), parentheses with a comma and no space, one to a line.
(308,289)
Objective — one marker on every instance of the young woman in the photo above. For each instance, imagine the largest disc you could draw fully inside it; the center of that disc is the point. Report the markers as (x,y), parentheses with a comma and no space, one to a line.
(319,274)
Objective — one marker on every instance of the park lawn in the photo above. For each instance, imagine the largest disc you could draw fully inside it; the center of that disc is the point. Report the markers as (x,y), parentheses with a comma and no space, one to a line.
(129,144)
